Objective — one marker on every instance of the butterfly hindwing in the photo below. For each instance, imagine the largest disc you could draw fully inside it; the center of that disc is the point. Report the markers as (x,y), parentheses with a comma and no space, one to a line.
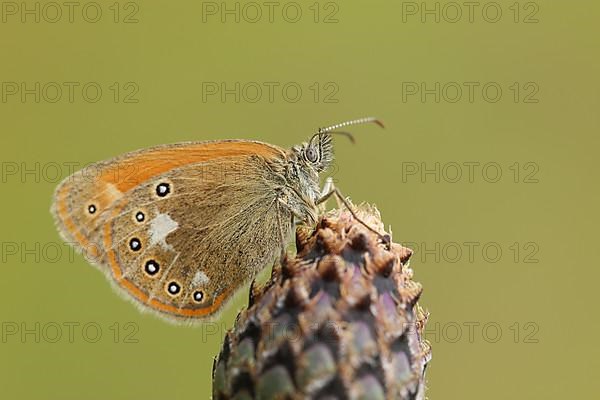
(181,241)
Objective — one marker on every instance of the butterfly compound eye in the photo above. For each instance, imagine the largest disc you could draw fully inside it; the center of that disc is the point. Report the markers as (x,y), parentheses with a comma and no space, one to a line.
(311,154)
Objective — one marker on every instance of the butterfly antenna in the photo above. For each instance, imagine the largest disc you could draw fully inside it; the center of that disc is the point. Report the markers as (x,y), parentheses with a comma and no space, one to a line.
(332,129)
(343,133)
(367,120)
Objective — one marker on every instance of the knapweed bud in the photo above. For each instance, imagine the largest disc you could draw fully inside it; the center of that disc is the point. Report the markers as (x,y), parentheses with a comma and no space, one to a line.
(340,320)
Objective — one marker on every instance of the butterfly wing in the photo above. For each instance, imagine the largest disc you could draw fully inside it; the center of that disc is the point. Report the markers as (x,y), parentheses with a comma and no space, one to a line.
(181,227)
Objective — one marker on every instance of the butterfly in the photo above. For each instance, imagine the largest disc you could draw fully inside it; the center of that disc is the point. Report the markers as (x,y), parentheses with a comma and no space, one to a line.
(180,228)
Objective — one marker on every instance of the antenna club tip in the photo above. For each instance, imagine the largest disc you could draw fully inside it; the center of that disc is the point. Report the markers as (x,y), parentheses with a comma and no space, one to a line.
(379,122)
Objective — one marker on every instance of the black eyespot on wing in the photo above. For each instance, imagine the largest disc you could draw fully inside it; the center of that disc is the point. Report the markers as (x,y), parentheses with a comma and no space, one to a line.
(151,267)
(163,189)
(92,208)
(135,244)
(198,296)
(173,288)
(139,216)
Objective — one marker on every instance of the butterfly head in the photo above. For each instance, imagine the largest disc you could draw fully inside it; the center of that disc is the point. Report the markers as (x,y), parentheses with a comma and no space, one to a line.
(316,154)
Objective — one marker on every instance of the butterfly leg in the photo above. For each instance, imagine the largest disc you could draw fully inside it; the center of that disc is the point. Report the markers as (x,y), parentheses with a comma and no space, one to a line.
(280,228)
(282,204)
(327,188)
(294,213)
(333,191)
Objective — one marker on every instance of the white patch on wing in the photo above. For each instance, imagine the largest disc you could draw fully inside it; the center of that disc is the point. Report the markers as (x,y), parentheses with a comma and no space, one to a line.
(160,227)
(112,191)
(200,278)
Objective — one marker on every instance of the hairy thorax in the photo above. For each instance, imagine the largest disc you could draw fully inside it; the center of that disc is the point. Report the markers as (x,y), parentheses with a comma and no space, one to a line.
(301,191)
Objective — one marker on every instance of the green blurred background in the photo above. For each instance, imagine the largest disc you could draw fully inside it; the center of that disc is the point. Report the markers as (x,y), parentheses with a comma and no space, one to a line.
(516,324)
